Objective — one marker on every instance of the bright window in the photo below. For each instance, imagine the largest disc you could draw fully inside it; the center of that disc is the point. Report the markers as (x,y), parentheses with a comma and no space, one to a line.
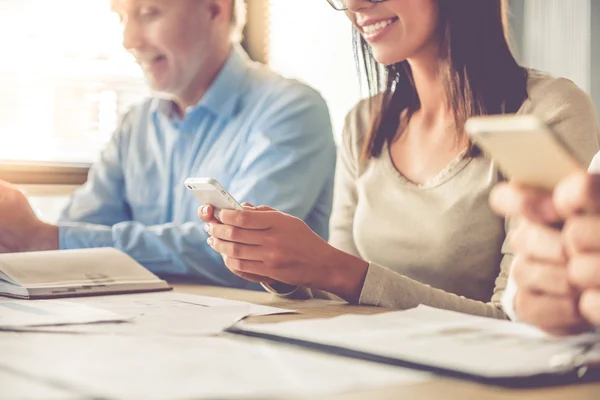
(64,79)
(311,42)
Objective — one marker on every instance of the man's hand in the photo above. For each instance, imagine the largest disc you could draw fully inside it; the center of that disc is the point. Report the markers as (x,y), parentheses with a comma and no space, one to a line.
(557,272)
(579,197)
(20,229)
(545,296)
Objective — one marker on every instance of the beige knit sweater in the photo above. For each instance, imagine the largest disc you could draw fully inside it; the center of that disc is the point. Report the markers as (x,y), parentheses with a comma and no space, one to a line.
(439,244)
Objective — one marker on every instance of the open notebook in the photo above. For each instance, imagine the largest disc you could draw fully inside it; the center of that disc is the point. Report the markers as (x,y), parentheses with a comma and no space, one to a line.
(64,273)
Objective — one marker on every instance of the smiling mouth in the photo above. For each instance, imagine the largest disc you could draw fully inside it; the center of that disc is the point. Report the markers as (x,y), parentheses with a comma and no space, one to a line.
(374,29)
(147,62)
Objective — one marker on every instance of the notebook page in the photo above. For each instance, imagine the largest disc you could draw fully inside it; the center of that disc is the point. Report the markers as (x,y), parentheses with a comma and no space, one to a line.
(94,267)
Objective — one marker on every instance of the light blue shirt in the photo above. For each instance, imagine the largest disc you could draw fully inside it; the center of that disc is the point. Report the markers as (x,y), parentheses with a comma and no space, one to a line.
(266,139)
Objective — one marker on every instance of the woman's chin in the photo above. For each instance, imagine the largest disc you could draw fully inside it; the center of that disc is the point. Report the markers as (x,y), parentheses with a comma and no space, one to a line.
(387,57)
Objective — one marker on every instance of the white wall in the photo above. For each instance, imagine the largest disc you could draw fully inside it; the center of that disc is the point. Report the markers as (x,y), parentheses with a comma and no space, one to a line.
(312,42)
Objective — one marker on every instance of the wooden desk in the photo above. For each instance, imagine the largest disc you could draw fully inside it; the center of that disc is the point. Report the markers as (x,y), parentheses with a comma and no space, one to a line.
(448,389)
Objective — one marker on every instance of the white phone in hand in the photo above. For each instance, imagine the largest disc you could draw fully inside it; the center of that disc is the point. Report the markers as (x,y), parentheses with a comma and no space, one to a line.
(210,192)
(525,149)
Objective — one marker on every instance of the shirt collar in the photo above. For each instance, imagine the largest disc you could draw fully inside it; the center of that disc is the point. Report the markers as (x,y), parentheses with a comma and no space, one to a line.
(222,96)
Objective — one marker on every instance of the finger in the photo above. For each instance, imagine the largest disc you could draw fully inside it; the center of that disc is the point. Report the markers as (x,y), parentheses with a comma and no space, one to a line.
(255,278)
(206,214)
(243,267)
(580,193)
(234,234)
(250,207)
(236,250)
(589,306)
(232,264)
(584,271)
(511,200)
(538,241)
(550,279)
(558,315)
(247,219)
(582,234)
(264,208)
(7,185)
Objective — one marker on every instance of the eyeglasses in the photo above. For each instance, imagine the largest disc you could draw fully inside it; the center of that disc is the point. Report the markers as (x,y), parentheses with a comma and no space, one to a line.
(342,5)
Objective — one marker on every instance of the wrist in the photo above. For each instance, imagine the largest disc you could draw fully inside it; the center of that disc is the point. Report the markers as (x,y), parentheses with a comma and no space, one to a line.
(345,275)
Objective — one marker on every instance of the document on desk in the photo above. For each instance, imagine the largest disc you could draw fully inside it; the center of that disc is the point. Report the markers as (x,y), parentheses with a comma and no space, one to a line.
(438,340)
(253,309)
(165,314)
(124,367)
(23,313)
(117,302)
(18,386)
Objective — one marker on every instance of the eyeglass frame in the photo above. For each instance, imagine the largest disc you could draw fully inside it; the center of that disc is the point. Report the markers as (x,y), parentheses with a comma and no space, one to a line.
(345,6)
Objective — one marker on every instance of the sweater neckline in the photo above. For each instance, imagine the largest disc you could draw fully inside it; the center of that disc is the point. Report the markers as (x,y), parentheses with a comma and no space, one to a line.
(451,170)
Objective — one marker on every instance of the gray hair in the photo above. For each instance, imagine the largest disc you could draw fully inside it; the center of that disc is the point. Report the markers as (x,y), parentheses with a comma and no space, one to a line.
(238,20)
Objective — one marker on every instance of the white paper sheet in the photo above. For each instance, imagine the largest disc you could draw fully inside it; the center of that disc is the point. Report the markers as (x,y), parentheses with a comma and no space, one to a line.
(185,368)
(16,386)
(253,309)
(117,302)
(446,339)
(162,320)
(165,313)
(24,313)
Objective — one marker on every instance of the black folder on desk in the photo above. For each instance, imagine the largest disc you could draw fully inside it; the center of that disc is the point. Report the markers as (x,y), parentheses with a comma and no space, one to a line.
(496,356)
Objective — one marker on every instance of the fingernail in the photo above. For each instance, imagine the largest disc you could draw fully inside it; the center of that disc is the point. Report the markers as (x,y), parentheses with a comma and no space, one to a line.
(209,241)
(204,210)
(207,228)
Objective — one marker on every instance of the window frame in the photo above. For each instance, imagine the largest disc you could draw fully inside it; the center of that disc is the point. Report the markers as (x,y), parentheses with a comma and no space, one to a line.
(68,173)
(44,173)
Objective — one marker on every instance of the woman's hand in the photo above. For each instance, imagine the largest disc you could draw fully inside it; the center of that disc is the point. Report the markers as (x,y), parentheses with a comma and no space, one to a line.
(264,242)
(207,214)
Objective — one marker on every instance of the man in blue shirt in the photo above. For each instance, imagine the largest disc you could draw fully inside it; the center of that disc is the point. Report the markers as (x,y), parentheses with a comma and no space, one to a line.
(266,139)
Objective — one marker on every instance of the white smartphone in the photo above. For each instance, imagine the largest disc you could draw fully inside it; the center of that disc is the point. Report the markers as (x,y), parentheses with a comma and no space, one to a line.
(524,148)
(211,192)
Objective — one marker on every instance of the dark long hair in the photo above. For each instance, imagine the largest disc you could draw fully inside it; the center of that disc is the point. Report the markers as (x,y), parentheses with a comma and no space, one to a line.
(480,73)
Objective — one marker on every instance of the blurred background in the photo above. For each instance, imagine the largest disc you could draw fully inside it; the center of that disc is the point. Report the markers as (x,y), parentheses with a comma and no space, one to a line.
(65,79)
